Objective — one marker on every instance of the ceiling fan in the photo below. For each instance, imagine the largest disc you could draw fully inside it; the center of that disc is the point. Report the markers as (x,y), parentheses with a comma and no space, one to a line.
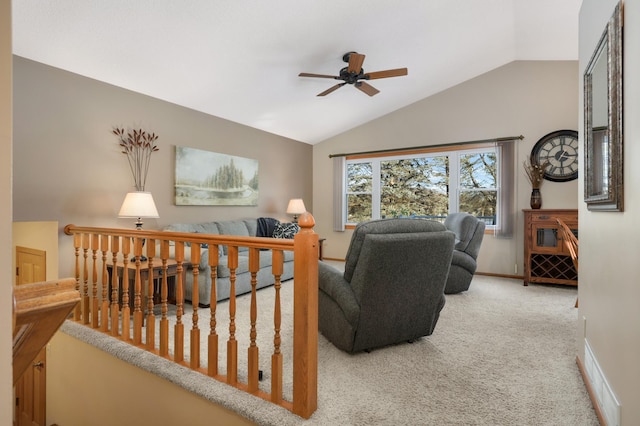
(354,74)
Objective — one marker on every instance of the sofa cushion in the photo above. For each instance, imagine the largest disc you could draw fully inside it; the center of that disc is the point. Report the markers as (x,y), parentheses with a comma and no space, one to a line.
(184,227)
(285,230)
(243,263)
(210,228)
(236,228)
(233,227)
(197,228)
(252,226)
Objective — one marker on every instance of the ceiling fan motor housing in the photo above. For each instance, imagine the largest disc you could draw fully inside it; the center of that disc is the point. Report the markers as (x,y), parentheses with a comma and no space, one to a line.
(351,77)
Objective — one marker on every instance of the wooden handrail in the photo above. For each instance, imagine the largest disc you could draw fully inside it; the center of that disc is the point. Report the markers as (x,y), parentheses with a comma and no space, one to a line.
(39,309)
(95,247)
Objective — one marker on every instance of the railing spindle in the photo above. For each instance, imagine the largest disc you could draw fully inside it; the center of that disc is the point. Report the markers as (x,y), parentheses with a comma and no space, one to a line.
(195,331)
(151,319)
(85,280)
(179,327)
(95,312)
(276,359)
(104,309)
(252,352)
(137,290)
(115,286)
(212,361)
(164,322)
(126,310)
(232,343)
(77,312)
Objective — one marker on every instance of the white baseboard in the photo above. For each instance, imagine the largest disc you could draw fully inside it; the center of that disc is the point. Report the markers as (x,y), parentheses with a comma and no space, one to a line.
(606,399)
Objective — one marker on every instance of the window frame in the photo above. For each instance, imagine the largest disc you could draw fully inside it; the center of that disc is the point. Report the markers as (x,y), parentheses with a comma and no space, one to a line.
(454,153)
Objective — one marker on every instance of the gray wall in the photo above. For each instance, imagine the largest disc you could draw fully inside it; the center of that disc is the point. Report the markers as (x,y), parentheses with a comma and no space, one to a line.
(609,315)
(520,98)
(68,166)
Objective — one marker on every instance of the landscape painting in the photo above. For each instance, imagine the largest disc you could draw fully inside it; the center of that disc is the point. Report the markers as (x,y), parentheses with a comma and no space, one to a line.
(205,178)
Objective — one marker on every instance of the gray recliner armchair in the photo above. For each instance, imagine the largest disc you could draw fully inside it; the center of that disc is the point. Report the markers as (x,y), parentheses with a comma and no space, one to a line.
(392,288)
(469,232)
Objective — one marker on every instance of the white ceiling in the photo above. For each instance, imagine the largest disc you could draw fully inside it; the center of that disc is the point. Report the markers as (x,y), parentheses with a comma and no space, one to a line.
(240,59)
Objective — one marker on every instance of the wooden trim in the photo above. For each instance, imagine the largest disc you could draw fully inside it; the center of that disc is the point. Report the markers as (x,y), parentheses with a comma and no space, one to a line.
(438,147)
(421,151)
(491,274)
(335,259)
(591,392)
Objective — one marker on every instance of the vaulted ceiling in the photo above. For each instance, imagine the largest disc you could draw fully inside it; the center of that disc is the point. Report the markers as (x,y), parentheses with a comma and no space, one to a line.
(240,60)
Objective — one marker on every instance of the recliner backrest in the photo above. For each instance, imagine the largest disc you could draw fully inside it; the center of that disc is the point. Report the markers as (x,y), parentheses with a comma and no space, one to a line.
(399,285)
(469,232)
(383,226)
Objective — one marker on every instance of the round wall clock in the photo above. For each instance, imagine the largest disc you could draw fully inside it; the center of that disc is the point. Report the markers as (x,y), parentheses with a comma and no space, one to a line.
(560,150)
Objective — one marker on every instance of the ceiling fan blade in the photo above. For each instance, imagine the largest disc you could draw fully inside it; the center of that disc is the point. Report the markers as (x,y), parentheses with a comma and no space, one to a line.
(387,73)
(367,88)
(331,89)
(355,62)
(306,74)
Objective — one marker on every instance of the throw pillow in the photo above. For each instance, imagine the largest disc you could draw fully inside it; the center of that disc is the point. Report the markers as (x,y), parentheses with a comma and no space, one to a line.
(285,230)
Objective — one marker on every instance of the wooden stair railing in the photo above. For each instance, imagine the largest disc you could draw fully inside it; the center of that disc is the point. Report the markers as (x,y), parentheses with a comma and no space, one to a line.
(97,248)
(39,309)
(570,241)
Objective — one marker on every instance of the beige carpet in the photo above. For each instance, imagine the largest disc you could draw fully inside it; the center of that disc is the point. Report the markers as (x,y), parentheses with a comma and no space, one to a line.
(501,354)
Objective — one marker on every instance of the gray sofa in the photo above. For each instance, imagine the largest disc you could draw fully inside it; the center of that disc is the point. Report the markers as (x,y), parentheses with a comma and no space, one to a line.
(392,288)
(246,227)
(469,232)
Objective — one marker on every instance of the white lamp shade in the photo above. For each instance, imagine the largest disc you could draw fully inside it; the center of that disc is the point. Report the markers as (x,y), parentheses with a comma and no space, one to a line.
(296,206)
(138,204)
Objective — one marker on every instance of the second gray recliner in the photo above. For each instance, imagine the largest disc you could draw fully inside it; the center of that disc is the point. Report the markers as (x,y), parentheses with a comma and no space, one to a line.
(469,232)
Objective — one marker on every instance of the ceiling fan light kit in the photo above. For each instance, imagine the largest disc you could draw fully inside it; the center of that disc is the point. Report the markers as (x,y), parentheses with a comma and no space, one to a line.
(354,74)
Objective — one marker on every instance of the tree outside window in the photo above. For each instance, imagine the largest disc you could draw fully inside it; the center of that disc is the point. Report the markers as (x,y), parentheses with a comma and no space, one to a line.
(478,185)
(359,192)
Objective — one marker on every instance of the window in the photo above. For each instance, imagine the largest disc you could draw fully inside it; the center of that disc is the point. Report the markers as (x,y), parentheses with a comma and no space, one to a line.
(425,184)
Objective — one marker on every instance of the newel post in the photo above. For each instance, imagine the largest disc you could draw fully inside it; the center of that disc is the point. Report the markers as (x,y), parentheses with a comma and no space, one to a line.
(305,318)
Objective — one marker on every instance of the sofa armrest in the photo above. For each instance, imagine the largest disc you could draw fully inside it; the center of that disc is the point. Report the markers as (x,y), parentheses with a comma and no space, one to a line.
(332,282)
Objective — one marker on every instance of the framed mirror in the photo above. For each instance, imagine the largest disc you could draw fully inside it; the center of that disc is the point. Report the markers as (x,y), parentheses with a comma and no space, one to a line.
(603,186)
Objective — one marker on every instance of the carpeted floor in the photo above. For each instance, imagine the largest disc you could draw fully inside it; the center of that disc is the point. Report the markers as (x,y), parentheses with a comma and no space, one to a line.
(501,354)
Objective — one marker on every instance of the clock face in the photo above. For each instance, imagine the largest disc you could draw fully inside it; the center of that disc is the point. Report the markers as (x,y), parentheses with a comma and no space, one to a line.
(560,150)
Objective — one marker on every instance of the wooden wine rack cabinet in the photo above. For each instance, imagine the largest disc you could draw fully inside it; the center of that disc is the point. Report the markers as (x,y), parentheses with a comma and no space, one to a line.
(546,259)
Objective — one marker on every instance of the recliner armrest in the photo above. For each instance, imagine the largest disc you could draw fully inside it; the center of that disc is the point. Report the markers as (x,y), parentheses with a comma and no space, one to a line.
(331,281)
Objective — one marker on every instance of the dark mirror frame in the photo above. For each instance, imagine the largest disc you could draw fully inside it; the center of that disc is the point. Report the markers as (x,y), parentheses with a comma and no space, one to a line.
(603,155)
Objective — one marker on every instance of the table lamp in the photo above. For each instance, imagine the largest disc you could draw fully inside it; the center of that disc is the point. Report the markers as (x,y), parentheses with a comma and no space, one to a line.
(296,208)
(138,205)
